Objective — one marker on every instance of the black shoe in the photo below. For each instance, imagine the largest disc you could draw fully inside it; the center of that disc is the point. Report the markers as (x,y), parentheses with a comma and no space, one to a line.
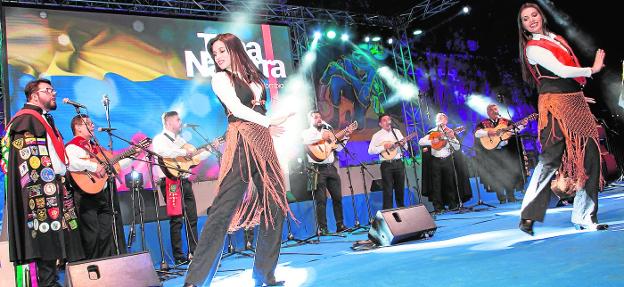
(593,226)
(322,231)
(270,283)
(526,225)
(341,228)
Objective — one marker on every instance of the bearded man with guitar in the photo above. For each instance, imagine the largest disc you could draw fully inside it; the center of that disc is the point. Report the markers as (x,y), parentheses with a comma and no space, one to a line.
(498,155)
(440,182)
(321,144)
(170,145)
(88,180)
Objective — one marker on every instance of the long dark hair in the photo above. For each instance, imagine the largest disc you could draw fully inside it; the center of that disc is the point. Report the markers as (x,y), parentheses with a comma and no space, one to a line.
(523,37)
(242,66)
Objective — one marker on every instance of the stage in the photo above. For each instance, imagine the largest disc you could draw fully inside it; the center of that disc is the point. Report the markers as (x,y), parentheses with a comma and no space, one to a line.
(475,248)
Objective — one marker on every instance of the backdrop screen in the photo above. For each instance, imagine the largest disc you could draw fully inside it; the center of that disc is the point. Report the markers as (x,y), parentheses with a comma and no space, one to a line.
(144,65)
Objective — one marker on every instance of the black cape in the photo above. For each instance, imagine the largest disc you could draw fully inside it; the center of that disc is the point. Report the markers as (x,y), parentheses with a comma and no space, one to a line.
(462,174)
(41,218)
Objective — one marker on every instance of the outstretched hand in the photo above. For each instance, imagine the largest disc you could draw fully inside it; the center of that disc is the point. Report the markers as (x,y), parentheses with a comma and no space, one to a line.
(598,61)
(276,130)
(590,100)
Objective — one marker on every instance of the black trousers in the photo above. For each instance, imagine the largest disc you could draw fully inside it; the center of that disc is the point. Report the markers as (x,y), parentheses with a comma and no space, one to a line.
(393,178)
(47,273)
(208,253)
(538,192)
(328,179)
(443,185)
(176,222)
(96,224)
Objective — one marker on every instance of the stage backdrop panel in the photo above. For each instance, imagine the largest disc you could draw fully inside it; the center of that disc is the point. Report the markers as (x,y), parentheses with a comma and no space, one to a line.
(144,65)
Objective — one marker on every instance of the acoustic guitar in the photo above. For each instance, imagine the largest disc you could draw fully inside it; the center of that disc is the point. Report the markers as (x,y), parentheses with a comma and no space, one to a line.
(169,165)
(442,138)
(89,182)
(390,153)
(320,150)
(503,133)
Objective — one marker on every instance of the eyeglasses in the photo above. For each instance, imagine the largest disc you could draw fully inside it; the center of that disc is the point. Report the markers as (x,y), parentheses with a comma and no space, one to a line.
(48,90)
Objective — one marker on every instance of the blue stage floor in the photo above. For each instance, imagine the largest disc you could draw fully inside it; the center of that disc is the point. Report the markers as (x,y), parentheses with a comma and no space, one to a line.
(483,248)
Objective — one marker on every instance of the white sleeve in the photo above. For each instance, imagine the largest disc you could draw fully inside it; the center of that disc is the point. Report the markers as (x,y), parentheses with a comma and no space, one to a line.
(77,159)
(424,141)
(455,143)
(223,88)
(163,147)
(546,59)
(480,133)
(311,136)
(374,146)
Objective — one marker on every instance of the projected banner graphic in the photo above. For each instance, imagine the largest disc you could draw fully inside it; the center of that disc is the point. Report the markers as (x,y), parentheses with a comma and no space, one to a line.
(144,65)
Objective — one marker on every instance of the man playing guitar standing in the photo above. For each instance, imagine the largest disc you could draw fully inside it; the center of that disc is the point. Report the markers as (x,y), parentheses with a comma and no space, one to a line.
(443,184)
(169,144)
(392,169)
(94,209)
(327,173)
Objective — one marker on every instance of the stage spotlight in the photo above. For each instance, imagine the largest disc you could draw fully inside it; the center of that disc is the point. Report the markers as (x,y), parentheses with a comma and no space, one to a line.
(344,37)
(390,41)
(317,35)
(376,39)
(331,34)
(366,39)
(466,9)
(417,32)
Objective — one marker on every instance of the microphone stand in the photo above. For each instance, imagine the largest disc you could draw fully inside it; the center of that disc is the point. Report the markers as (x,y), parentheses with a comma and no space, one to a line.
(106,103)
(403,152)
(316,234)
(362,169)
(477,177)
(514,132)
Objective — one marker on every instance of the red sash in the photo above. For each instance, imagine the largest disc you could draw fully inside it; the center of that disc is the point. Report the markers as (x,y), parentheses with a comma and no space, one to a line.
(173,197)
(57,142)
(565,57)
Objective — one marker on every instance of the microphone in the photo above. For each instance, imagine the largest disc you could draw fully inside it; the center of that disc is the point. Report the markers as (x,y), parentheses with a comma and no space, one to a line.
(106,129)
(190,125)
(326,125)
(105,100)
(70,102)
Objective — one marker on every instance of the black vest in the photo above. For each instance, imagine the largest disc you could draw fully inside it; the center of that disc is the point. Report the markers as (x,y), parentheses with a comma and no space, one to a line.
(551,83)
(246,96)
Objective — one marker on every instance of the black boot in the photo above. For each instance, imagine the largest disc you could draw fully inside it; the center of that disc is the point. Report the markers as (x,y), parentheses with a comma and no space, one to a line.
(526,225)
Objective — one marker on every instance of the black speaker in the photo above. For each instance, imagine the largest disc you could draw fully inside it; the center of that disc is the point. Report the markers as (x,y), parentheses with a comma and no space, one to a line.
(128,270)
(396,225)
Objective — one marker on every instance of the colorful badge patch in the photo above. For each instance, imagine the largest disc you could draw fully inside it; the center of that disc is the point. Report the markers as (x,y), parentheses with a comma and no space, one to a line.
(24,153)
(44,227)
(34,190)
(49,188)
(34,162)
(33,234)
(25,180)
(28,135)
(31,204)
(53,213)
(34,150)
(34,175)
(30,141)
(73,224)
(41,215)
(30,225)
(47,174)
(46,161)
(55,225)
(40,202)
(51,202)
(70,214)
(67,204)
(18,143)
(41,141)
(63,224)
(36,224)
(23,168)
(43,150)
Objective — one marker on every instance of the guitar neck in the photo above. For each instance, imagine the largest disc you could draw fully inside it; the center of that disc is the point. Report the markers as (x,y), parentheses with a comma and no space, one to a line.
(121,156)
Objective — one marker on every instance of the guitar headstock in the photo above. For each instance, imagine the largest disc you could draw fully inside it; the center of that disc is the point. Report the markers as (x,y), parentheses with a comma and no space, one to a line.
(217,142)
(459,129)
(352,126)
(532,116)
(144,143)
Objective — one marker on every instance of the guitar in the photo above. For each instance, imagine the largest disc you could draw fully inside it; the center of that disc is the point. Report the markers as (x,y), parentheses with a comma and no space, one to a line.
(167,165)
(92,184)
(503,133)
(443,140)
(390,153)
(320,150)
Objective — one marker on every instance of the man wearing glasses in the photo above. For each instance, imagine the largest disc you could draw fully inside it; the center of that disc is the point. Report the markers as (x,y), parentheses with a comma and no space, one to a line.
(42,221)
(94,210)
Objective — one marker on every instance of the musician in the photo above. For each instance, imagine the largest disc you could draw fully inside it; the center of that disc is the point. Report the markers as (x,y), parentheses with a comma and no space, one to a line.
(40,214)
(169,144)
(500,169)
(392,170)
(566,126)
(95,211)
(440,184)
(327,177)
